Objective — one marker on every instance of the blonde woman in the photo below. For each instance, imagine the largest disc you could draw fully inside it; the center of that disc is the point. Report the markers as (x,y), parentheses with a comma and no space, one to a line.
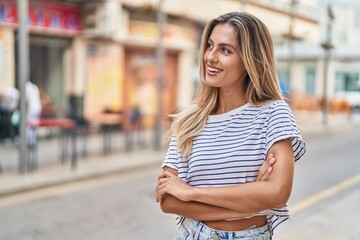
(238,123)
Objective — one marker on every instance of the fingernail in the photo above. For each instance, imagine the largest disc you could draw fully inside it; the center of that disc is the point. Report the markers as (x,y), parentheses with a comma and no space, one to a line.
(272,160)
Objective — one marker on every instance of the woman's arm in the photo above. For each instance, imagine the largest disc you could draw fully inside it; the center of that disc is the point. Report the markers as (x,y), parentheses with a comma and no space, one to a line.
(243,198)
(197,210)
(203,211)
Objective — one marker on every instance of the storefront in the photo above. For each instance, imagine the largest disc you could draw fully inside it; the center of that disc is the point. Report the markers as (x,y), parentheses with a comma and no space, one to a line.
(47,68)
(142,85)
(104,82)
(99,73)
(123,74)
(52,28)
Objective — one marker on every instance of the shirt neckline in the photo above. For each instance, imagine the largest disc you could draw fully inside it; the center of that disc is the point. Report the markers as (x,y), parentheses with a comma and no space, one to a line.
(223,116)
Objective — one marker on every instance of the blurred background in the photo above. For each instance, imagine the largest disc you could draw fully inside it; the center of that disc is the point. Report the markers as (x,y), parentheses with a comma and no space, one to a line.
(86,86)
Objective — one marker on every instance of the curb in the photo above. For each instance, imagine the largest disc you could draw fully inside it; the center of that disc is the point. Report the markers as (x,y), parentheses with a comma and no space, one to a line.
(61,175)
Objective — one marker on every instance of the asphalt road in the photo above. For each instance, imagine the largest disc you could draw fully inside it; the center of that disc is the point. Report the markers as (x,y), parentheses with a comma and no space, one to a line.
(123,206)
(328,161)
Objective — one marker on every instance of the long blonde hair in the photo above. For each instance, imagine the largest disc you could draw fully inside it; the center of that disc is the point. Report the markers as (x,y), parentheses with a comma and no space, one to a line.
(256,51)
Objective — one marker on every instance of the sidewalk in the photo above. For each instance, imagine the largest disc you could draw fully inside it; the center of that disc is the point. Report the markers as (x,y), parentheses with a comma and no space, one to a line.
(11,183)
(52,172)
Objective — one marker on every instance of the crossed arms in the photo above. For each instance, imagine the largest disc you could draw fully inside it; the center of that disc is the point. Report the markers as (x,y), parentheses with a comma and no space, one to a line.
(271,190)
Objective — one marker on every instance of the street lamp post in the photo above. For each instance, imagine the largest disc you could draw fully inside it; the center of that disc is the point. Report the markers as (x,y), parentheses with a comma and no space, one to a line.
(160,55)
(291,38)
(327,46)
(23,58)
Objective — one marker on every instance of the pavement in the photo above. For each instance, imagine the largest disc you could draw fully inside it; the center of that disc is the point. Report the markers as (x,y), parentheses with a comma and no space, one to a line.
(334,218)
(52,171)
(97,164)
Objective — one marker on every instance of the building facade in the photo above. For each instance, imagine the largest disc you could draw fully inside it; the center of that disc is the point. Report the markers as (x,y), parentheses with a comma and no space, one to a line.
(99,57)
(53,30)
(345,60)
(318,73)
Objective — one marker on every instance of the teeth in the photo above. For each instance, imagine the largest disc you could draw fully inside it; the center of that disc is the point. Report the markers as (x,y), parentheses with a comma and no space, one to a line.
(211,69)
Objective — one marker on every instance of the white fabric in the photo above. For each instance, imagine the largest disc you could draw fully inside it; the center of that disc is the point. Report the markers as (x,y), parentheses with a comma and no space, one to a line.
(232,147)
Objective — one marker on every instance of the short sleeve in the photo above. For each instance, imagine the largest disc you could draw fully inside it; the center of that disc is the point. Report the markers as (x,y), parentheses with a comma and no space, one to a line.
(171,158)
(281,125)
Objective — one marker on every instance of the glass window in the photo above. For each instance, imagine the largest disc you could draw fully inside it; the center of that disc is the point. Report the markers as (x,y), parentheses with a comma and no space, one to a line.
(310,81)
(347,81)
(283,74)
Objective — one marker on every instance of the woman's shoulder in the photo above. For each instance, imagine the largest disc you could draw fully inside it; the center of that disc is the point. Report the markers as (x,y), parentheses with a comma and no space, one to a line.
(279,109)
(271,108)
(271,105)
(276,105)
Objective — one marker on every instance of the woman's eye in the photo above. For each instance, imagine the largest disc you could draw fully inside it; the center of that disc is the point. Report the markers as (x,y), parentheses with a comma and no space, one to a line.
(209,45)
(225,51)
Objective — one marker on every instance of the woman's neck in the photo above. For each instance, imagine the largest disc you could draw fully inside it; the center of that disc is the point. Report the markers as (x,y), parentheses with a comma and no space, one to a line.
(228,103)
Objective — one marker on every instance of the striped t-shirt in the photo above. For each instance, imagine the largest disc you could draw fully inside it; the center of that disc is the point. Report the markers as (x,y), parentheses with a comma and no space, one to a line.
(232,147)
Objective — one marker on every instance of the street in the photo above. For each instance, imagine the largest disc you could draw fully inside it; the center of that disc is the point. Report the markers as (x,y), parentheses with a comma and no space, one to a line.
(123,206)
(327,162)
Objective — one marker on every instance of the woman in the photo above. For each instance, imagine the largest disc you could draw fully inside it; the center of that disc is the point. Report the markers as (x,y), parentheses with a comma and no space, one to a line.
(238,123)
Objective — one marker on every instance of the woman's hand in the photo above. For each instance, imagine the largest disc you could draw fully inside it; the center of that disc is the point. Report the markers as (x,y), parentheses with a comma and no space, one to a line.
(266,168)
(173,185)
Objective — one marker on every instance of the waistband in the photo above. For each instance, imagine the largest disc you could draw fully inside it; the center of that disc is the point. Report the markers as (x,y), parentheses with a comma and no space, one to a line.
(194,229)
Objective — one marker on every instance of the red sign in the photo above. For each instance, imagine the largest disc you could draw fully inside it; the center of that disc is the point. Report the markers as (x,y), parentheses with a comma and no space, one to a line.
(8,11)
(44,15)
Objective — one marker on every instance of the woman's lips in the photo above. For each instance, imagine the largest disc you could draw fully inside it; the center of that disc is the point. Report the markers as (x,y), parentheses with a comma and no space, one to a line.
(213,71)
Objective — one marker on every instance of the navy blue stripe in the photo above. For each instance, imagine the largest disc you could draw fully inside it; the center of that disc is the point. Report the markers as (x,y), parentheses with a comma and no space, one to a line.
(231,148)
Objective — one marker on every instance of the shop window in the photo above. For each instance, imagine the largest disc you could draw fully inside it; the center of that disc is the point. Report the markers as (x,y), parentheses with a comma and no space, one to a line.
(310,75)
(346,81)
(284,78)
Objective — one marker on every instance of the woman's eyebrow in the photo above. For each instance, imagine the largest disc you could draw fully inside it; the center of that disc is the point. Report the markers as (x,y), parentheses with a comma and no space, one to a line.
(227,45)
(224,44)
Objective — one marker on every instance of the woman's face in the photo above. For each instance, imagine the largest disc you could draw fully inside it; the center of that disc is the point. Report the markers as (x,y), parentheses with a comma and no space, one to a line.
(223,64)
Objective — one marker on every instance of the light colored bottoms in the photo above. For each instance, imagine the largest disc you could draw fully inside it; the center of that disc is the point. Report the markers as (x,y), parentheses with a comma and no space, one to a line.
(190,229)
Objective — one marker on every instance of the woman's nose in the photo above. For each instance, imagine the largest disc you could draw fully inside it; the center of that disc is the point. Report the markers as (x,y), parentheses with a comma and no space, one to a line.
(212,56)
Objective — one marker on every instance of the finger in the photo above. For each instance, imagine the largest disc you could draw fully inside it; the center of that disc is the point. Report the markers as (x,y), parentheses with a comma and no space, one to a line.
(160,185)
(272,161)
(269,162)
(162,181)
(165,174)
(161,192)
(267,174)
(162,175)
(157,187)
(262,170)
(158,197)
(168,174)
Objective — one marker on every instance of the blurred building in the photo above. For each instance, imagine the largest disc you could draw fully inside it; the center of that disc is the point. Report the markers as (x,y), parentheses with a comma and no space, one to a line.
(344,66)
(314,71)
(54,29)
(100,56)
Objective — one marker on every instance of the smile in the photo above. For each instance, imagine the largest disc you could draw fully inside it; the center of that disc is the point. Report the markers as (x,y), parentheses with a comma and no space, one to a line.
(214,70)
